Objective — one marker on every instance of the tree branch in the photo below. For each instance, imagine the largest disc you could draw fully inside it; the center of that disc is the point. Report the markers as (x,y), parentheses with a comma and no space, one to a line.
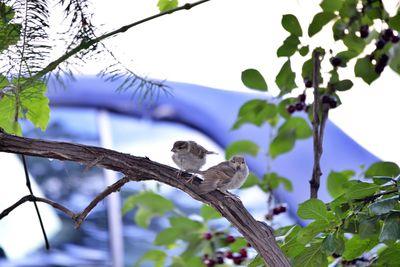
(86,44)
(258,234)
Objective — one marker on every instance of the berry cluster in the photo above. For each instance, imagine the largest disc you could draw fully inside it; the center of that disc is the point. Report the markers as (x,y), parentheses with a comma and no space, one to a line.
(275,211)
(329,100)
(299,105)
(220,256)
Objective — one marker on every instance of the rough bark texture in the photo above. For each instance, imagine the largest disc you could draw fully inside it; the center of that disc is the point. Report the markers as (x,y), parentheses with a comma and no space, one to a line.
(258,234)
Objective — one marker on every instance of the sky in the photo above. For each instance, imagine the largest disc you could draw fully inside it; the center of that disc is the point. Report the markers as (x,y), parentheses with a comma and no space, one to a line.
(213,43)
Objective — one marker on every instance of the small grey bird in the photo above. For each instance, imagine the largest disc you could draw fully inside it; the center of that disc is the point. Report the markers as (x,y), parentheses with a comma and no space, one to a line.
(189,156)
(224,176)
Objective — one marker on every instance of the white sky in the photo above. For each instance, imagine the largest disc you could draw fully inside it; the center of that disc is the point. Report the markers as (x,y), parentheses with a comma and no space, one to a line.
(213,43)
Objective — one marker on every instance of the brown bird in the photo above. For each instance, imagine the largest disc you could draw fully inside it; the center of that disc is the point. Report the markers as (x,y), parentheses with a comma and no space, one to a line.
(189,156)
(226,175)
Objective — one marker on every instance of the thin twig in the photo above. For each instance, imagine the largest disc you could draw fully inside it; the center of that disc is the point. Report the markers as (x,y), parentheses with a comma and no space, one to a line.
(28,184)
(86,44)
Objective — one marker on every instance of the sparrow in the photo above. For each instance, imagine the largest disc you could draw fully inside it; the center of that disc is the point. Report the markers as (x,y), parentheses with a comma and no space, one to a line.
(226,175)
(189,156)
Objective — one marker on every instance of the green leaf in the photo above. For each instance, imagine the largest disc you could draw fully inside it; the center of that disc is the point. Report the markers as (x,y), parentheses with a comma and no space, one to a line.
(394,22)
(365,70)
(319,21)
(285,79)
(9,35)
(337,182)
(164,5)
(311,256)
(390,256)
(289,46)
(185,224)
(343,85)
(298,125)
(383,206)
(209,213)
(313,209)
(369,227)
(291,247)
(307,70)
(304,50)
(291,24)
(156,256)
(391,228)
(253,79)
(3,81)
(282,143)
(36,104)
(287,184)
(241,147)
(394,62)
(7,115)
(354,43)
(257,262)
(331,6)
(313,229)
(333,243)
(382,168)
(167,236)
(355,247)
(149,205)
(361,190)
(272,180)
(255,111)
(251,180)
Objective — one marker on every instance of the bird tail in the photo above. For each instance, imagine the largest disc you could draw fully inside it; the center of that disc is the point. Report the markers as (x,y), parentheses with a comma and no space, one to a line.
(211,152)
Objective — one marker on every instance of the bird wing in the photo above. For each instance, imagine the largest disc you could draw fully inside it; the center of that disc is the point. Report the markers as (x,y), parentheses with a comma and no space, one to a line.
(199,150)
(216,176)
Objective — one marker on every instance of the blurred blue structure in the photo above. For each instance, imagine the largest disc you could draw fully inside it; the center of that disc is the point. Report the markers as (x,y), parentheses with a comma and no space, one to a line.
(213,112)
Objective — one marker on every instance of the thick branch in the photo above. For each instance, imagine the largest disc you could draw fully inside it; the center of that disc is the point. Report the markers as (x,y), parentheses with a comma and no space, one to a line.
(258,234)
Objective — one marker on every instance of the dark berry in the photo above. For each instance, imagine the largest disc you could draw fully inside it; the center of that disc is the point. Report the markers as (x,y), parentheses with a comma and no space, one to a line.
(207,236)
(380,44)
(387,34)
(382,62)
(220,260)
(395,39)
(243,253)
(332,103)
(282,209)
(205,257)
(364,31)
(230,239)
(325,99)
(229,255)
(237,260)
(300,106)
(275,211)
(209,263)
(335,61)
(336,255)
(308,83)
(290,109)
(302,97)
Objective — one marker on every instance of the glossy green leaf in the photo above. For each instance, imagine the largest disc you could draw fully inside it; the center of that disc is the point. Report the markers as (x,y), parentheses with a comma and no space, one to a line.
(343,85)
(355,247)
(158,257)
(298,125)
(209,213)
(164,5)
(382,168)
(282,143)
(312,256)
(380,180)
(319,21)
(251,180)
(361,190)
(365,70)
(308,233)
(307,70)
(255,111)
(241,147)
(336,182)
(390,256)
(289,46)
(338,29)
(331,6)
(167,236)
(394,22)
(391,228)
(253,79)
(369,227)
(354,43)
(333,243)
(313,209)
(383,206)
(291,24)
(347,55)
(285,79)
(149,205)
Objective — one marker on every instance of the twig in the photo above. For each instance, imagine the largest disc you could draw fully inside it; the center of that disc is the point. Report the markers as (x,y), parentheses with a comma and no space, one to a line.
(373,197)
(86,44)
(28,184)
(259,235)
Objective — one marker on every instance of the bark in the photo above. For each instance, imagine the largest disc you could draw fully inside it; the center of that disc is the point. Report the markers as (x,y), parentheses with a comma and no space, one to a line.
(258,234)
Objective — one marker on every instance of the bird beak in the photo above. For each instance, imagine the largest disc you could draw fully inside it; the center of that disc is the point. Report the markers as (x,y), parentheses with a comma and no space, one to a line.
(237,167)
(173,150)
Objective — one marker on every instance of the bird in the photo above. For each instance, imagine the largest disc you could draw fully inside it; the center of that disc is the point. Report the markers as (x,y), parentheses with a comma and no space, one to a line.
(189,156)
(224,176)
